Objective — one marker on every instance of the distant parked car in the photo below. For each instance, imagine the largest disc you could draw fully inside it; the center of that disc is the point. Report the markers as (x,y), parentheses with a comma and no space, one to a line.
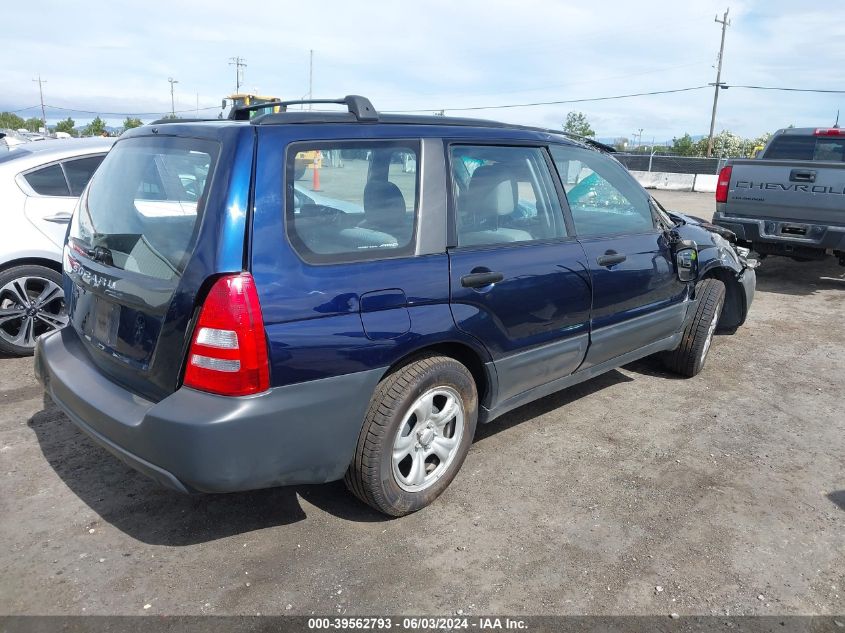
(11,138)
(32,136)
(39,186)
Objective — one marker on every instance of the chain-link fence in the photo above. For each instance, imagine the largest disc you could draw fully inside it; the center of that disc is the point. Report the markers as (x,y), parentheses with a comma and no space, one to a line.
(671,164)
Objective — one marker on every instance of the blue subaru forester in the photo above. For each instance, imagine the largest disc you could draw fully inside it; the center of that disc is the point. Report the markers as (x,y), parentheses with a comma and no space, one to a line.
(301,296)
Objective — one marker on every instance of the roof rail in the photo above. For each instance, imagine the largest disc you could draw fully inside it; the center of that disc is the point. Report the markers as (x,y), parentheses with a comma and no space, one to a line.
(357,105)
(169,119)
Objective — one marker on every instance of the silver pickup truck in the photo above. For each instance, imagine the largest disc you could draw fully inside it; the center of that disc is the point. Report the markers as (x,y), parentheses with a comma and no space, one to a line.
(790,200)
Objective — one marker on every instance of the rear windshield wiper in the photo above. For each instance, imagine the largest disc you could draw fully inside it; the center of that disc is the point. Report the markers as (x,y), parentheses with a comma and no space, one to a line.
(100,254)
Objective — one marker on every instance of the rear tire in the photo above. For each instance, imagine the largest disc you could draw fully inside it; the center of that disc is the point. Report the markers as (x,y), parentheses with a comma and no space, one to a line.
(416,434)
(31,305)
(689,357)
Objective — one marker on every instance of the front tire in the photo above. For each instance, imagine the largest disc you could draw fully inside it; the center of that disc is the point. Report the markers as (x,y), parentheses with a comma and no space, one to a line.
(416,435)
(689,357)
(31,305)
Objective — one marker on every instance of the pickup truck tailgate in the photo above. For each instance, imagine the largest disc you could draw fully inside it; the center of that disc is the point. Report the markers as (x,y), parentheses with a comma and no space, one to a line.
(800,191)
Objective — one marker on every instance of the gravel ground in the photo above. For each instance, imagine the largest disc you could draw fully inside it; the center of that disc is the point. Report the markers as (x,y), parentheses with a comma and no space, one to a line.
(635,493)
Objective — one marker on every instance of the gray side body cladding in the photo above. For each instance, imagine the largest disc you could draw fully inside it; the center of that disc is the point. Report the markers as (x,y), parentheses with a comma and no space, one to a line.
(642,328)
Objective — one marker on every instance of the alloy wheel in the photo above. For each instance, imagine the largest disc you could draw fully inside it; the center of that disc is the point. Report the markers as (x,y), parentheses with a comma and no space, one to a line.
(428,439)
(30,307)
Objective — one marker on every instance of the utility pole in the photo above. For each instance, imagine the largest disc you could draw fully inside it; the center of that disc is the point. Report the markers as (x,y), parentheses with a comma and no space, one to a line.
(639,136)
(172,100)
(238,63)
(310,76)
(41,94)
(718,85)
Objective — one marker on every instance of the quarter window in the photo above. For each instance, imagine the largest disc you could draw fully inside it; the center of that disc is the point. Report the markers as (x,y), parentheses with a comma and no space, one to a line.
(352,200)
(504,194)
(603,197)
(79,172)
(48,181)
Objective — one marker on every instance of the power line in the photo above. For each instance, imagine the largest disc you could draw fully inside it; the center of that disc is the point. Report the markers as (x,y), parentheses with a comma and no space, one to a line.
(22,109)
(138,114)
(785,89)
(539,103)
(566,85)
(724,86)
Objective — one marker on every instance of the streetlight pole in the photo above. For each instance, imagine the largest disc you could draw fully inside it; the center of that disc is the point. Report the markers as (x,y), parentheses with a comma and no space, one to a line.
(172,99)
(639,136)
(725,24)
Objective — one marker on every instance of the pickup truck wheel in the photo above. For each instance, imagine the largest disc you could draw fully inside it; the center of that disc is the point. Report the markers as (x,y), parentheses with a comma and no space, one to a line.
(688,358)
(415,436)
(31,304)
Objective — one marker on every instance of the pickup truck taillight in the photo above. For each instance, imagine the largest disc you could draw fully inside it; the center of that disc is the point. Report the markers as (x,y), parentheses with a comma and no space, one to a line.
(723,183)
(829,131)
(228,353)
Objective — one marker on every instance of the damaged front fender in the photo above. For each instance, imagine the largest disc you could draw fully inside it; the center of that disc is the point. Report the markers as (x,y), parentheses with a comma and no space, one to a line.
(718,258)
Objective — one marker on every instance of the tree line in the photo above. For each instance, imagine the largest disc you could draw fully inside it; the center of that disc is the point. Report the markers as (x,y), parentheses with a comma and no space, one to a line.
(725,143)
(96,127)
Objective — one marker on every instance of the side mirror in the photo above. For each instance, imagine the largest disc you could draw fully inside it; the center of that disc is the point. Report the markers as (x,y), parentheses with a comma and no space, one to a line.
(223,105)
(686,260)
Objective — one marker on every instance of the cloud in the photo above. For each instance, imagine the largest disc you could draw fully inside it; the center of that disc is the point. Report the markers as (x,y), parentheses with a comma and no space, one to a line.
(441,54)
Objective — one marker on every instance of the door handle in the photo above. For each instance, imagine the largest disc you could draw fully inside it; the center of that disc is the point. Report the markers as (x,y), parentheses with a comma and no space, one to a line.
(802,175)
(610,258)
(59,218)
(479,280)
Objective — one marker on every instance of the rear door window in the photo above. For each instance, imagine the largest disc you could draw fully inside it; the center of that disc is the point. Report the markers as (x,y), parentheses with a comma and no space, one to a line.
(352,200)
(48,181)
(504,194)
(79,172)
(143,208)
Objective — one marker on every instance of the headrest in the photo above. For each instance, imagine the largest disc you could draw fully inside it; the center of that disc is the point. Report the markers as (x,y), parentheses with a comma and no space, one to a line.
(491,191)
(383,203)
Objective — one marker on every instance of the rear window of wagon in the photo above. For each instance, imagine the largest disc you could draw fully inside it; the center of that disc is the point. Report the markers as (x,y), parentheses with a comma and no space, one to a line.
(145,203)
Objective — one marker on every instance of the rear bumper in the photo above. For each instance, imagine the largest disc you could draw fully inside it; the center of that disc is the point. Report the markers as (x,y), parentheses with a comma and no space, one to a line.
(198,442)
(819,237)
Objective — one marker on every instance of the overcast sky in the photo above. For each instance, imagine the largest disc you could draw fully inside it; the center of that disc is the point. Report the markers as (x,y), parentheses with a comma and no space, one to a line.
(117,57)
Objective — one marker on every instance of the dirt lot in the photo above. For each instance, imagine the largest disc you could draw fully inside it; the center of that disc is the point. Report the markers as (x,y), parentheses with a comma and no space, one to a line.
(635,493)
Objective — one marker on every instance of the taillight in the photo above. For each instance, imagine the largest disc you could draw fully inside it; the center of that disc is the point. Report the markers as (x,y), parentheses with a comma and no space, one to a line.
(723,184)
(228,353)
(829,131)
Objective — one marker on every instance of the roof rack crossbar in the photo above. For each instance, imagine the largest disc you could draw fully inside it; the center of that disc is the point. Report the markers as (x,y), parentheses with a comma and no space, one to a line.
(360,107)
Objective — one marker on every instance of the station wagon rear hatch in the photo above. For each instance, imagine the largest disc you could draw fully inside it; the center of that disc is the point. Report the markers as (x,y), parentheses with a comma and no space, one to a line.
(129,244)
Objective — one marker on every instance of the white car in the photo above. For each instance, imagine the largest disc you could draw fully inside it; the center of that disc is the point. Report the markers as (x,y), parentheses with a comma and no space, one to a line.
(40,184)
